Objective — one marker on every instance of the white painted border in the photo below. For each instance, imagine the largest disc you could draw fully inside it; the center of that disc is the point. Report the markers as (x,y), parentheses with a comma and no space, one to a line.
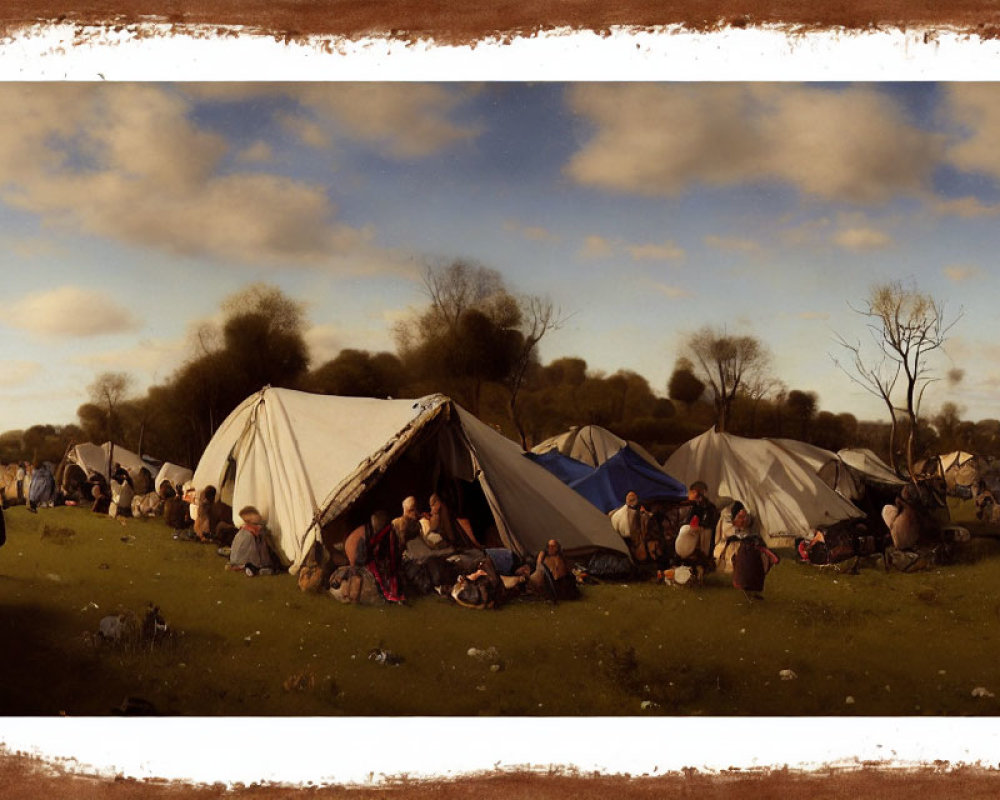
(55,52)
(366,751)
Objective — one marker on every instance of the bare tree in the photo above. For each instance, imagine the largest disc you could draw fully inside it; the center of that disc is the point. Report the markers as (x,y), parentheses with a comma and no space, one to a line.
(108,391)
(905,327)
(726,363)
(474,331)
(538,317)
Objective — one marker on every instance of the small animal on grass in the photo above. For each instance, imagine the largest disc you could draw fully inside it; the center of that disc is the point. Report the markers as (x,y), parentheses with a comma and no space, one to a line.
(126,630)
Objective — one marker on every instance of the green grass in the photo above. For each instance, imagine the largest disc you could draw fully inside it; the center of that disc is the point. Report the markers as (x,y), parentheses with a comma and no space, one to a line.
(898,644)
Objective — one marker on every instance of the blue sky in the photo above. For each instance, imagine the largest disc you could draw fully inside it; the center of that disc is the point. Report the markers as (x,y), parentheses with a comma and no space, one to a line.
(129,212)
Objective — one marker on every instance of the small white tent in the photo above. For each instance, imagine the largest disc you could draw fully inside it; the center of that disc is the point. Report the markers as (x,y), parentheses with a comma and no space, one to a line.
(92,458)
(869,467)
(827,464)
(305,460)
(784,492)
(592,445)
(177,475)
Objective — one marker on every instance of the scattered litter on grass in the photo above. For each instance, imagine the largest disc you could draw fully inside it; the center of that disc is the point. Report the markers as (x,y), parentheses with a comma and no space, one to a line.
(982,691)
(384,657)
(787,675)
(300,682)
(489,654)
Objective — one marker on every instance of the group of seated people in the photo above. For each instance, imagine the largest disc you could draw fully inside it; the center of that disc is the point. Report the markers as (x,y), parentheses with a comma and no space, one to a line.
(431,550)
(693,535)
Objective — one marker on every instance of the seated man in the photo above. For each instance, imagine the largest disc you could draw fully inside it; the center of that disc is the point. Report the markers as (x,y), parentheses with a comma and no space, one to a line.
(252,551)
(101,493)
(355,583)
(407,526)
(212,522)
(635,525)
(701,512)
(552,575)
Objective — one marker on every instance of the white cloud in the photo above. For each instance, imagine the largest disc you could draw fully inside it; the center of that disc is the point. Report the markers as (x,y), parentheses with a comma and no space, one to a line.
(959,273)
(324,342)
(70,311)
(129,163)
(862,238)
(595,246)
(966,207)
(852,144)
(18,373)
(257,153)
(405,120)
(665,251)
(154,358)
(975,107)
(812,315)
(673,292)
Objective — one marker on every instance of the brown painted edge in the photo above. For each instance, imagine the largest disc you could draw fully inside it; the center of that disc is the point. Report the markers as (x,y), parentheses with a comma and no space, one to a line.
(28,776)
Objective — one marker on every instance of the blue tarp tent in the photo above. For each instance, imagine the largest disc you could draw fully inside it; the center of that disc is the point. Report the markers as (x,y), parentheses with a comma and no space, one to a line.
(563,467)
(624,472)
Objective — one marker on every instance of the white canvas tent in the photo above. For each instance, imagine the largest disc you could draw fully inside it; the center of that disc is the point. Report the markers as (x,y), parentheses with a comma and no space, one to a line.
(784,492)
(869,467)
(592,445)
(827,464)
(305,460)
(961,469)
(177,475)
(92,458)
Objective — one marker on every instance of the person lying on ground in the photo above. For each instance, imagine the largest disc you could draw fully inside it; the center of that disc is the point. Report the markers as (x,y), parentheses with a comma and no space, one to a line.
(484,588)
(253,551)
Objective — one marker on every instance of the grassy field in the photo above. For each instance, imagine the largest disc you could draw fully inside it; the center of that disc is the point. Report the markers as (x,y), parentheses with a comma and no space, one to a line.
(865,644)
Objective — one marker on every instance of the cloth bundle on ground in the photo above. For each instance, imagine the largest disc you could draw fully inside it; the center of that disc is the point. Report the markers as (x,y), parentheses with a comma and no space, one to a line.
(147,505)
(427,574)
(610,566)
(839,542)
(354,585)
(121,499)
